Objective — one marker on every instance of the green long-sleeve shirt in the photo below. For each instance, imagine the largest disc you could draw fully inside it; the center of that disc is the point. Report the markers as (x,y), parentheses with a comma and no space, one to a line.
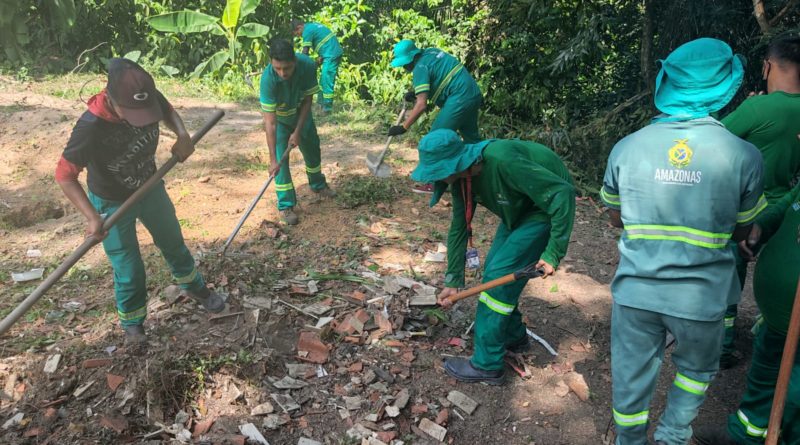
(519,181)
(778,264)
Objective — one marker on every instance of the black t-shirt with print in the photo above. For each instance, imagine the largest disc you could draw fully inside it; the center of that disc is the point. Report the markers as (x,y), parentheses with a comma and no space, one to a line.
(119,157)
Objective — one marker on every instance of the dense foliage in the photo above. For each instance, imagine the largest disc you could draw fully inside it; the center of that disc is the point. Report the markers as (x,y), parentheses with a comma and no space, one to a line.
(573,74)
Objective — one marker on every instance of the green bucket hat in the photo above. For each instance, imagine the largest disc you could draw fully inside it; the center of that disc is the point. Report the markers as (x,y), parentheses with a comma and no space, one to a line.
(404,52)
(442,153)
(698,78)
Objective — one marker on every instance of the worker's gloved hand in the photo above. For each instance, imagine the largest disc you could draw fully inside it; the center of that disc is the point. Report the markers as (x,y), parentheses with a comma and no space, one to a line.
(410,97)
(396,130)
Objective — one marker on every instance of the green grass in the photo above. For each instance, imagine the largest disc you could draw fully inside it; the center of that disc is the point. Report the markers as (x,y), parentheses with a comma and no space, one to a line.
(358,190)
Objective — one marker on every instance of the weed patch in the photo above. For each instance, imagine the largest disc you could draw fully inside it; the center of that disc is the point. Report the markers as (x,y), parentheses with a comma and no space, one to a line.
(356,190)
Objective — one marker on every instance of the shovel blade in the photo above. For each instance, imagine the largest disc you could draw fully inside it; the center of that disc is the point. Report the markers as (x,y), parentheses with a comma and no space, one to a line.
(377,167)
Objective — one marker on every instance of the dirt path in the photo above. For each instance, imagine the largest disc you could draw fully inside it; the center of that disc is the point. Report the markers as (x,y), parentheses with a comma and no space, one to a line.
(220,369)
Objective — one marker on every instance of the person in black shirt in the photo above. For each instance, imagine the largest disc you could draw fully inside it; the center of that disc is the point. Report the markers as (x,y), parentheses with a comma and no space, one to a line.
(116,140)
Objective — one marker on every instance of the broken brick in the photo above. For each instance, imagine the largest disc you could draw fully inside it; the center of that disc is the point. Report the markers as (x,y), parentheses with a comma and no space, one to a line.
(317,350)
(441,419)
(356,367)
(419,409)
(386,436)
(202,427)
(33,432)
(408,357)
(118,424)
(96,363)
(114,381)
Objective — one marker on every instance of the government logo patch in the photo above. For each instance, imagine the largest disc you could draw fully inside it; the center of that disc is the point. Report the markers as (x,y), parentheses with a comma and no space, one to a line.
(680,155)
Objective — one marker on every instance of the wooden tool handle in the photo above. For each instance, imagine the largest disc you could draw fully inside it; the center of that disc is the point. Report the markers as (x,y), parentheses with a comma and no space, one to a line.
(787,363)
(480,288)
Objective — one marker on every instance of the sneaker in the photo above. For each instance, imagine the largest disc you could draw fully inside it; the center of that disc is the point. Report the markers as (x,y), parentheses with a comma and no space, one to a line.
(289,217)
(462,370)
(211,301)
(423,188)
(134,336)
(326,192)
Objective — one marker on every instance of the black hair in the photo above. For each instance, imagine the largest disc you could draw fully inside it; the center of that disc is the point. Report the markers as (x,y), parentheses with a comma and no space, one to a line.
(295,23)
(280,49)
(785,49)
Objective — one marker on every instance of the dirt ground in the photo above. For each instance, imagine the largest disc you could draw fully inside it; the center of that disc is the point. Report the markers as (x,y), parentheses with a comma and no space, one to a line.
(208,374)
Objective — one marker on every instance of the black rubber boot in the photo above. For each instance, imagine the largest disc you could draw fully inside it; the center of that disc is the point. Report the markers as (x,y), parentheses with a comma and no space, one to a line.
(211,301)
(520,347)
(462,370)
(711,435)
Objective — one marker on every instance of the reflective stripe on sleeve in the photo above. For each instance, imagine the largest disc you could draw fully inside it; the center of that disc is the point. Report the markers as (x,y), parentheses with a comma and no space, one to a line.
(609,198)
(748,215)
(284,187)
(268,108)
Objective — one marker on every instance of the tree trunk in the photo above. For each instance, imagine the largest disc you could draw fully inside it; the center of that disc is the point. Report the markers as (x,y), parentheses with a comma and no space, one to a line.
(761,16)
(646,53)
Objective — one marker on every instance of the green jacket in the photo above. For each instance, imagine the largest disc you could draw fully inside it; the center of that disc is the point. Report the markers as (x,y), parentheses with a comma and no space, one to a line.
(519,181)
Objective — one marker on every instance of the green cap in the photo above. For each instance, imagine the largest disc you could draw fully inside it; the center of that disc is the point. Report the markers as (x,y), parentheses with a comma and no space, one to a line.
(404,52)
(698,78)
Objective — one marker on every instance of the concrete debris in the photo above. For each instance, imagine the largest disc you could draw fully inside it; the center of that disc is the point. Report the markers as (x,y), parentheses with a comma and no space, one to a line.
(307,441)
(289,383)
(262,409)
(14,420)
(252,433)
(286,402)
(423,300)
(300,370)
(401,399)
(462,401)
(51,365)
(435,257)
(432,429)
(274,421)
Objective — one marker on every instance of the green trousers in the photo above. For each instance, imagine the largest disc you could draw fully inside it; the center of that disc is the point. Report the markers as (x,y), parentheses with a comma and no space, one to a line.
(732,310)
(637,351)
(498,321)
(327,81)
(157,214)
(749,424)
(460,114)
(309,147)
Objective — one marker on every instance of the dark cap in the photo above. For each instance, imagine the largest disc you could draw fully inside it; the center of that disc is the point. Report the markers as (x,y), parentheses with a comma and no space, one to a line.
(134,92)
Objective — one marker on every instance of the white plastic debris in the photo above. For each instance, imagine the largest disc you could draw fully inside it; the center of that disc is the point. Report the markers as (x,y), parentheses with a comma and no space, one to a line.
(51,364)
(33,274)
(543,342)
(33,253)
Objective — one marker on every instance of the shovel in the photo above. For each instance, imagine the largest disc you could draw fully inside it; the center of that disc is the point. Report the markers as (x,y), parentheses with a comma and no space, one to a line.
(526,273)
(90,242)
(375,163)
(253,204)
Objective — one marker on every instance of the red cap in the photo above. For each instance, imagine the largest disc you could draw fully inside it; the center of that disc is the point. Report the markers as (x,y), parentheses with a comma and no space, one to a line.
(134,92)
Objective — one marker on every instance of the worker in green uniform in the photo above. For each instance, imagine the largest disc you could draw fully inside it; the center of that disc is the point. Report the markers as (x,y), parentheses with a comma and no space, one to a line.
(287,86)
(770,122)
(681,188)
(442,80)
(528,187)
(774,283)
(329,57)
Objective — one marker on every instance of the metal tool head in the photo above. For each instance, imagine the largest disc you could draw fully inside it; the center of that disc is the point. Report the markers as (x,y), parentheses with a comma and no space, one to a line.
(377,167)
